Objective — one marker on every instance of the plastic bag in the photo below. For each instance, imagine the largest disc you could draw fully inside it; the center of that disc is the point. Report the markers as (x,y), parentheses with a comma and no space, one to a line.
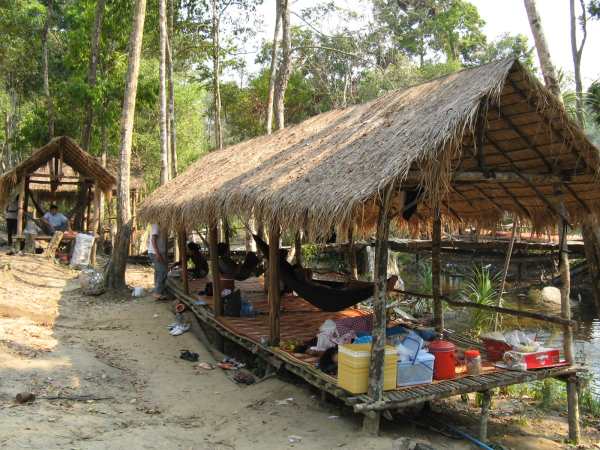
(83,250)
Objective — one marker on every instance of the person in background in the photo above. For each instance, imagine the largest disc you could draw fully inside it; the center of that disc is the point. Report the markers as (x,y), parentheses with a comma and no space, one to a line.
(55,220)
(10,214)
(157,251)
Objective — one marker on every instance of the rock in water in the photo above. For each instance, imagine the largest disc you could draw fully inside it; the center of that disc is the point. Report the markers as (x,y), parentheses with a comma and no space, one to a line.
(551,294)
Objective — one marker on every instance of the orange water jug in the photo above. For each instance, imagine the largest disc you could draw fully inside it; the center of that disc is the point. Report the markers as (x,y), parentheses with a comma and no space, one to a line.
(444,367)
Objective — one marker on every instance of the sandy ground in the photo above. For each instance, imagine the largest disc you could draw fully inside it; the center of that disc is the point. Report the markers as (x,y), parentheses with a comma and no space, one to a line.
(55,342)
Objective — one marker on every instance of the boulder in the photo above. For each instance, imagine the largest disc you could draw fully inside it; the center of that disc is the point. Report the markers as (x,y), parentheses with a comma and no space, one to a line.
(548,295)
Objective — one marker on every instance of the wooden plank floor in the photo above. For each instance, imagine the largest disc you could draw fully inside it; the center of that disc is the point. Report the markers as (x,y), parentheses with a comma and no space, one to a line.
(300,321)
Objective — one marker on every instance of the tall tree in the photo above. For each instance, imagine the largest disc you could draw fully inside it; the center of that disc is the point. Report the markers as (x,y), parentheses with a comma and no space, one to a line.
(548,71)
(216,57)
(45,69)
(164,135)
(285,66)
(171,117)
(118,263)
(86,134)
(273,68)
(577,51)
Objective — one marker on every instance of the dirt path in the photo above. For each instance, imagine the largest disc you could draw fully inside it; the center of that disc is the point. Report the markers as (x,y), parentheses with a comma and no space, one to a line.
(56,342)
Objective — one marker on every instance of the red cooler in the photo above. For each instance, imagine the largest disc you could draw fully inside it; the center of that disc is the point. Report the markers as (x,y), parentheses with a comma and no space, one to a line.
(444,367)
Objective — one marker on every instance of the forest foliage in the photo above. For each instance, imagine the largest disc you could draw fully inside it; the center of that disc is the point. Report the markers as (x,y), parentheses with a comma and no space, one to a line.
(399,43)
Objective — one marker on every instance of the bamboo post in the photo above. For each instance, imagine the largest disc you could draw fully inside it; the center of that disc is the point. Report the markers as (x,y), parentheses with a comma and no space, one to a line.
(213,237)
(298,248)
(505,271)
(274,294)
(486,402)
(565,293)
(371,421)
(96,224)
(21,211)
(438,312)
(182,240)
(352,253)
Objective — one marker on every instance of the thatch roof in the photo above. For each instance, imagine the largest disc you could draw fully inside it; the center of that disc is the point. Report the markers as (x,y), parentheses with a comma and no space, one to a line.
(328,170)
(78,165)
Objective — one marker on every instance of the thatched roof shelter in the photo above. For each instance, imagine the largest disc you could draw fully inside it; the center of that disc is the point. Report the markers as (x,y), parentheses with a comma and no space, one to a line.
(480,142)
(57,168)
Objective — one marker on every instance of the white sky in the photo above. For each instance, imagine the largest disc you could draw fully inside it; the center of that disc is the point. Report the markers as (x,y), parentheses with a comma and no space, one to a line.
(501,16)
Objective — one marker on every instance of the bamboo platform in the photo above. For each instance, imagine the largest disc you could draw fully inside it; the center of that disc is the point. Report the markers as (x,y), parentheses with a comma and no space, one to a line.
(300,321)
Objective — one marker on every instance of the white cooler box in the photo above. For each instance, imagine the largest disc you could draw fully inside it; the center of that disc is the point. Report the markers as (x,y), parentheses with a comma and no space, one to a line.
(419,371)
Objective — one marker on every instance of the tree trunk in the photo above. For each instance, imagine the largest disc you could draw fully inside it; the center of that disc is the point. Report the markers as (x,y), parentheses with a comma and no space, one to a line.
(216,23)
(577,51)
(172,133)
(118,263)
(164,144)
(45,69)
(285,67)
(548,71)
(170,58)
(273,68)
(86,133)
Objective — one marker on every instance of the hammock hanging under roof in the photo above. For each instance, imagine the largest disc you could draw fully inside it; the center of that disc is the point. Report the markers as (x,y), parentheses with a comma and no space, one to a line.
(330,297)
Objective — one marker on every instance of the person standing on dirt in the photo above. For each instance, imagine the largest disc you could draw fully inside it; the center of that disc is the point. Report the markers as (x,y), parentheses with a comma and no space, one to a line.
(157,251)
(10,215)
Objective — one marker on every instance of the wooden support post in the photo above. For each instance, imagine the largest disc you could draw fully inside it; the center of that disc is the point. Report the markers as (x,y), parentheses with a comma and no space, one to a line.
(505,271)
(573,408)
(298,248)
(486,402)
(352,253)
(88,214)
(274,294)
(213,237)
(96,223)
(371,421)
(436,270)
(21,210)
(565,302)
(182,241)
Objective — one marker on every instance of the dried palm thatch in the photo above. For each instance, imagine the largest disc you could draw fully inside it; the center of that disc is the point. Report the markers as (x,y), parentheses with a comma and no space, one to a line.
(79,166)
(453,137)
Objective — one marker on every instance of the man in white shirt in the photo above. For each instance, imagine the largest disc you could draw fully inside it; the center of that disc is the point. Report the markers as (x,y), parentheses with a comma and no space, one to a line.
(157,251)
(10,214)
(56,221)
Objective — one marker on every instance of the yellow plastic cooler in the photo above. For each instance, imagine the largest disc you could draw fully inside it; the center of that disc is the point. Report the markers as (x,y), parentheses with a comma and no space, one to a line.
(353,367)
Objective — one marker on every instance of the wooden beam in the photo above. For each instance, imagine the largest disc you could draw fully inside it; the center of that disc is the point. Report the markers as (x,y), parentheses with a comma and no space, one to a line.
(525,139)
(499,207)
(491,177)
(532,102)
(436,270)
(516,200)
(213,238)
(539,193)
(274,293)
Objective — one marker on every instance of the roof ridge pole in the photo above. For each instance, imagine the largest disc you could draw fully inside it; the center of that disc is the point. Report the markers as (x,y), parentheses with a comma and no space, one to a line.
(371,419)
(565,306)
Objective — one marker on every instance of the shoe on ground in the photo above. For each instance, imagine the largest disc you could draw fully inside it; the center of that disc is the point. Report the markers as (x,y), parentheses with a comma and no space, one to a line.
(180,329)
